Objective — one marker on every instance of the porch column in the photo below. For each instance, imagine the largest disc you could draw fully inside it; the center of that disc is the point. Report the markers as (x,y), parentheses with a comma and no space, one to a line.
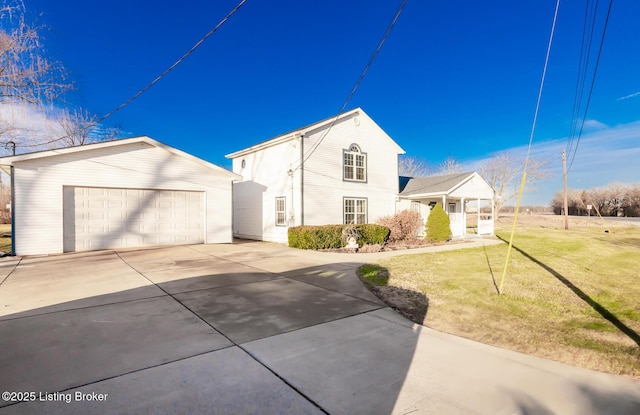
(478,213)
(444,203)
(464,217)
(493,219)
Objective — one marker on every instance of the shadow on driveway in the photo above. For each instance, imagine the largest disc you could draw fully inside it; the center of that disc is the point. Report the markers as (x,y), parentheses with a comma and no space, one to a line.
(253,329)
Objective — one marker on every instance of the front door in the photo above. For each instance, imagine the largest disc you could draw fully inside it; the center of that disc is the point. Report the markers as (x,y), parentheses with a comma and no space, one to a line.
(455,218)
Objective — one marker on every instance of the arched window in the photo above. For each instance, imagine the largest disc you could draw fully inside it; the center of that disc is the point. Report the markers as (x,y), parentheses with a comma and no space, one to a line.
(354,164)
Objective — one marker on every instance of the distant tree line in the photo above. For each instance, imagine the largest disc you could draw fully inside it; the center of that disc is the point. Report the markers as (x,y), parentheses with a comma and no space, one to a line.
(614,200)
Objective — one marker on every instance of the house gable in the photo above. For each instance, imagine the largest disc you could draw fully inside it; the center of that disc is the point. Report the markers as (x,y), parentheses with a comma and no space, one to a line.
(306,168)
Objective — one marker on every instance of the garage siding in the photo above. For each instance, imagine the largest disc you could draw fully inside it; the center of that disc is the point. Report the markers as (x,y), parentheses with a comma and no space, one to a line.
(39,185)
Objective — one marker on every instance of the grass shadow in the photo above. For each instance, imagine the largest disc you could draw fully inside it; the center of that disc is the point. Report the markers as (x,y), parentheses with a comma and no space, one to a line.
(493,277)
(411,304)
(606,314)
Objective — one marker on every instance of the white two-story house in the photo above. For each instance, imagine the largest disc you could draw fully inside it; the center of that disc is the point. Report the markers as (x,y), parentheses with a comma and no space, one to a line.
(342,169)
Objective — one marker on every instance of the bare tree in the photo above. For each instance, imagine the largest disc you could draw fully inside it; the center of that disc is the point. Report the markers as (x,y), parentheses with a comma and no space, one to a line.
(26,75)
(413,167)
(503,173)
(632,201)
(78,127)
(28,79)
(29,83)
(450,166)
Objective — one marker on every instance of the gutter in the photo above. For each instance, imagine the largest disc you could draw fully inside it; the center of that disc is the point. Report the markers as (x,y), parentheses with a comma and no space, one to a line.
(13,213)
(302,180)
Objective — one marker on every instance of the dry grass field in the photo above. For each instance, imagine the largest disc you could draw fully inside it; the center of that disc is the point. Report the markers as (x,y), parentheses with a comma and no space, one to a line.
(571,296)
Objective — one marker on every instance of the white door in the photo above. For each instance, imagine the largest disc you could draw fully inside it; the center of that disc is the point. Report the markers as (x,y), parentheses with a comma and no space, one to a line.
(103,218)
(455,219)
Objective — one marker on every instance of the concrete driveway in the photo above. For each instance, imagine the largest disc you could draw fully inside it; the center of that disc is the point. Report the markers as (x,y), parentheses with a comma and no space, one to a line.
(252,328)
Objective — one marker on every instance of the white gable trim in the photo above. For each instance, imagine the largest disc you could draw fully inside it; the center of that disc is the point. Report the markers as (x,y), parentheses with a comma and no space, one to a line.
(307,129)
(11,160)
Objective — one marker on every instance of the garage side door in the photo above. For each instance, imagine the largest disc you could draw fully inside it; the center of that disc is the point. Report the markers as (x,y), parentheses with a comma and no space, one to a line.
(103,218)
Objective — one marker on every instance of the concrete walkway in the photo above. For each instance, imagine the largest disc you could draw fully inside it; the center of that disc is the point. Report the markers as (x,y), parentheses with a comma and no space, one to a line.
(254,328)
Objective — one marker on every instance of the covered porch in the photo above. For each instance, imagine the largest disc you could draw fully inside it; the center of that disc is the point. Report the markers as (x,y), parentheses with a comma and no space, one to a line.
(465,197)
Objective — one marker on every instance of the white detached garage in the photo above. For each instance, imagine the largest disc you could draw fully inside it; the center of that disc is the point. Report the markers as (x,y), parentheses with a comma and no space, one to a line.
(124,193)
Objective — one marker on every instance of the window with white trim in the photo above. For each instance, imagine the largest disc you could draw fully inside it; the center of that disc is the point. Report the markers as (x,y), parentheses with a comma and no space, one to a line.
(281,214)
(415,205)
(355,164)
(355,211)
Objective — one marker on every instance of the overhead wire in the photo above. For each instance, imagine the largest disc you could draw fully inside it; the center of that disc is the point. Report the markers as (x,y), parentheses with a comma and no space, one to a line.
(526,160)
(593,80)
(583,64)
(153,82)
(355,86)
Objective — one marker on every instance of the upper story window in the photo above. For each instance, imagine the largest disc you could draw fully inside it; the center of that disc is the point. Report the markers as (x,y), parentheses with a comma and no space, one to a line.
(355,164)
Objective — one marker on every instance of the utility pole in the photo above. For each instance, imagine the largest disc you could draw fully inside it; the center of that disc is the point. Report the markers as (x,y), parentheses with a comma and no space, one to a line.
(564,179)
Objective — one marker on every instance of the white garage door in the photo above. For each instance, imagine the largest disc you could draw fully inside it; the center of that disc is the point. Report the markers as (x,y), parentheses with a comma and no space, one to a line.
(101,218)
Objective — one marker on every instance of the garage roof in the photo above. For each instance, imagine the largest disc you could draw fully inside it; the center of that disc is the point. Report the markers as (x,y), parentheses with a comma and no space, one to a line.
(11,160)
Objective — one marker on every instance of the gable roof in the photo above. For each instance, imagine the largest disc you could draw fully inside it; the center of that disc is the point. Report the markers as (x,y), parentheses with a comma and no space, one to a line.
(433,185)
(300,132)
(11,160)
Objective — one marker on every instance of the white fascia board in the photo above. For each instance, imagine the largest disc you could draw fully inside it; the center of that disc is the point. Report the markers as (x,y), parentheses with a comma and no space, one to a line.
(11,160)
(69,150)
(300,132)
(423,195)
(265,144)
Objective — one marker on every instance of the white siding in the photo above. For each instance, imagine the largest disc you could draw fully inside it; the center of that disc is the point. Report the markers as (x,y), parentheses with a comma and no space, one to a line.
(324,187)
(264,178)
(39,189)
(475,188)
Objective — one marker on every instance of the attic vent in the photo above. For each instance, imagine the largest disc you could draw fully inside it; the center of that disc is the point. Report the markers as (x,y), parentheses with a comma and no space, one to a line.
(356,120)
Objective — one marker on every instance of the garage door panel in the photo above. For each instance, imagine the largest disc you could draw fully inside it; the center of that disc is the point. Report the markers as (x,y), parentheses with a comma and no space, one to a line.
(97,218)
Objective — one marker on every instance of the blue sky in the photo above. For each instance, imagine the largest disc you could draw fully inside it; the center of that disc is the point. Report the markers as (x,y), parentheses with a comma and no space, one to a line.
(455,79)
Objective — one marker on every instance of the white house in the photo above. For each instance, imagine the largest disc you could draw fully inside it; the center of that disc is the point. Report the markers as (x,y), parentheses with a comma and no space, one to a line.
(342,169)
(457,193)
(123,193)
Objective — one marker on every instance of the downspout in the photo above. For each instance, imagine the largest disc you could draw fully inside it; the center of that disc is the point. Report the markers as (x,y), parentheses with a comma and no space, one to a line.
(13,212)
(301,180)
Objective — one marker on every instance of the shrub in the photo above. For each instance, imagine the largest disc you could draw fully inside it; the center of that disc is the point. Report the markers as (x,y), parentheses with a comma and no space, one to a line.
(370,248)
(373,234)
(438,227)
(404,225)
(335,236)
(315,237)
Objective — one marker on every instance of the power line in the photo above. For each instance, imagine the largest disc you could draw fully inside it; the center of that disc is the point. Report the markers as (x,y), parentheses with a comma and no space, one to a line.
(357,84)
(526,160)
(583,64)
(156,80)
(593,80)
(544,75)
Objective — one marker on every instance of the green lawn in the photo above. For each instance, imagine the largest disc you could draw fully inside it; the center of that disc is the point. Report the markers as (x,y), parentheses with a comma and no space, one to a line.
(572,296)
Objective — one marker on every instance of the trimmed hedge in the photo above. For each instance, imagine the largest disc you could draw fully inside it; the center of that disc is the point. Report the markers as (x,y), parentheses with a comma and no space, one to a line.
(372,234)
(330,236)
(438,226)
